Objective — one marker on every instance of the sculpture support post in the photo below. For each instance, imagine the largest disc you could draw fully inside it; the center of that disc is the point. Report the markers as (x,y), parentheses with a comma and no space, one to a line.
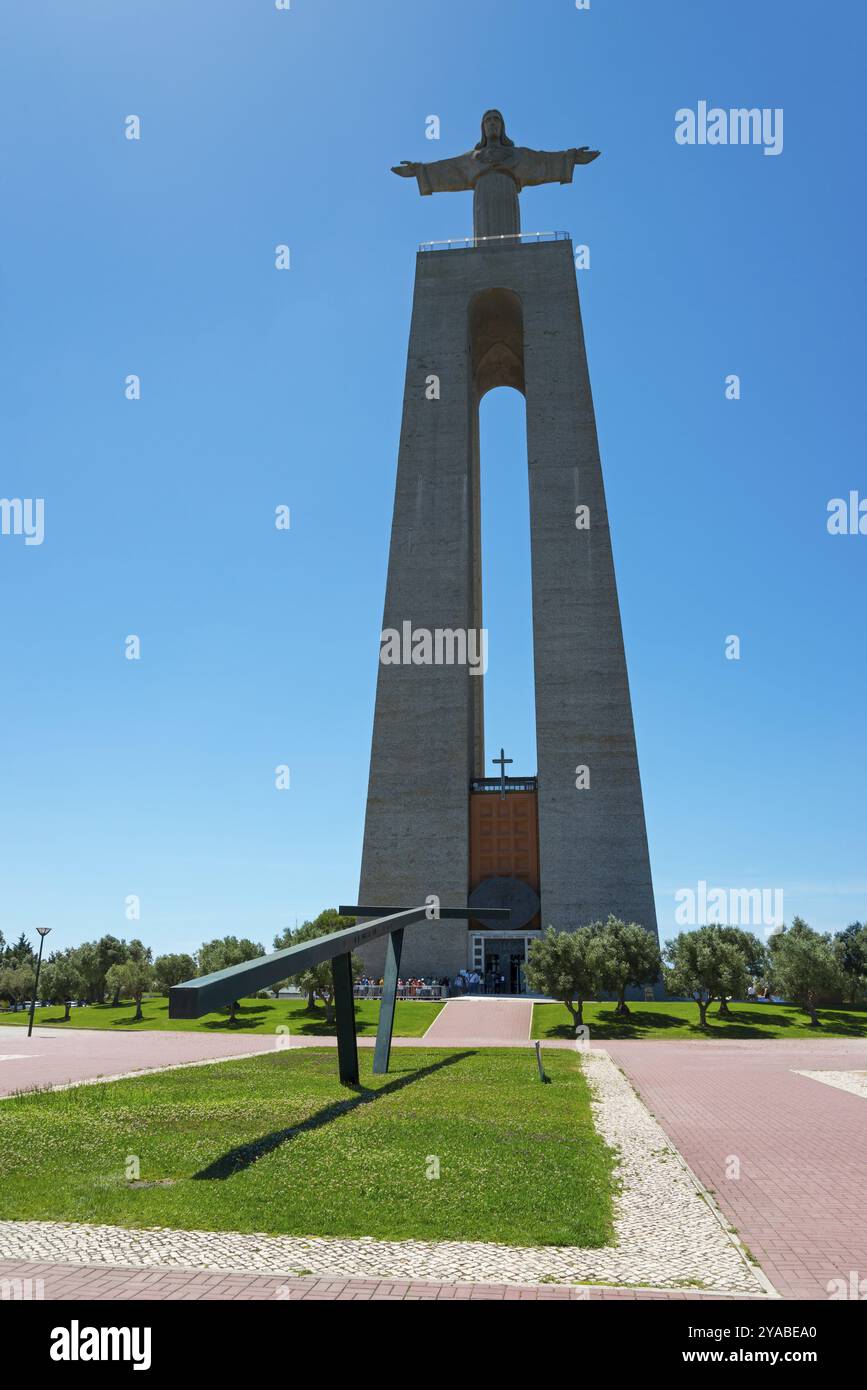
(385,1028)
(344,1008)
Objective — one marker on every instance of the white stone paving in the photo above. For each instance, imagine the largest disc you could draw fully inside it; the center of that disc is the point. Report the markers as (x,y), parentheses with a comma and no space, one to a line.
(669,1234)
(854,1081)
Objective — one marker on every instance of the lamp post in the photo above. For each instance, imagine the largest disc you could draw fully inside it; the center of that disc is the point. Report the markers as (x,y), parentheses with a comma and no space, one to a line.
(43,932)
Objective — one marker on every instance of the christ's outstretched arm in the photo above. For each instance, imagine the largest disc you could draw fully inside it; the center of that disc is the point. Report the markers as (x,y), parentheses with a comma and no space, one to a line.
(441,176)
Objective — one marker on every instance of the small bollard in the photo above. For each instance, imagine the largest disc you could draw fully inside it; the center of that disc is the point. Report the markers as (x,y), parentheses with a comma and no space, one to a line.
(546,1080)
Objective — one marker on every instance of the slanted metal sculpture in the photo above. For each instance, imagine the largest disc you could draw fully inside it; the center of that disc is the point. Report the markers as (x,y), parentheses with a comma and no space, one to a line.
(209,992)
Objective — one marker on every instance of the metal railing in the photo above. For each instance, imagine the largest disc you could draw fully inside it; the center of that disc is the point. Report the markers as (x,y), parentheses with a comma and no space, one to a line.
(468,243)
(402,992)
(495,784)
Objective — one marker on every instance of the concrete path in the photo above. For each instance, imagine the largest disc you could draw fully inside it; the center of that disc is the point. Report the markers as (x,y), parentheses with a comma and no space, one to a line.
(481,1023)
(53,1057)
(784,1155)
(30,1280)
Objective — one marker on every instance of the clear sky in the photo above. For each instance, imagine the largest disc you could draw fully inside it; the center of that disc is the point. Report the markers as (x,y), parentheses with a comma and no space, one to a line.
(262,387)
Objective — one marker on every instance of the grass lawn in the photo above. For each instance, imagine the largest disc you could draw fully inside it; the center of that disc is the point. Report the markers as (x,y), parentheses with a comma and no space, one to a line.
(680,1020)
(275,1144)
(412,1018)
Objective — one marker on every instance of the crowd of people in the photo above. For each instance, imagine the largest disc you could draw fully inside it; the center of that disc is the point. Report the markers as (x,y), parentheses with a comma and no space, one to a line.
(761,994)
(427,988)
(471,982)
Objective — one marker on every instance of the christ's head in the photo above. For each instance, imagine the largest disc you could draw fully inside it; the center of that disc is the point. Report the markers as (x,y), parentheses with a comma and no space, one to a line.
(493,130)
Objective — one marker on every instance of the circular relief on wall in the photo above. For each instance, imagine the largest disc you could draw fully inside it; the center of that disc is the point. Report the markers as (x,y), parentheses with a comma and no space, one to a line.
(506,892)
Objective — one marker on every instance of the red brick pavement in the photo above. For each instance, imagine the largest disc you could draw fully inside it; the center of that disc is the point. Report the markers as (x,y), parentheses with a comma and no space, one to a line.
(53,1057)
(800,1203)
(487,1022)
(111,1283)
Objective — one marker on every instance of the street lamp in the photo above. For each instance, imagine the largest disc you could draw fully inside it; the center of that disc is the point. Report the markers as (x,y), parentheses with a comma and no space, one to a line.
(43,932)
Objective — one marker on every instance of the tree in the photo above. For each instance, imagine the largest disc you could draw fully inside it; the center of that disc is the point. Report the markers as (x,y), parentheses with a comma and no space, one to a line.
(223,952)
(132,979)
(17,983)
(62,982)
(92,975)
(565,966)
(109,951)
(22,953)
(626,955)
(173,970)
(755,958)
(850,948)
(805,966)
(705,965)
(318,981)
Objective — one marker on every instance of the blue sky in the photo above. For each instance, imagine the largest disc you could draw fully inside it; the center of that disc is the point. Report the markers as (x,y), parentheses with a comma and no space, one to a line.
(260,387)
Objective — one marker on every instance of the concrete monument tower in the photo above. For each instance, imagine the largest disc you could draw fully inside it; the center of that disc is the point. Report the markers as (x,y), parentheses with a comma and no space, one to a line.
(566,845)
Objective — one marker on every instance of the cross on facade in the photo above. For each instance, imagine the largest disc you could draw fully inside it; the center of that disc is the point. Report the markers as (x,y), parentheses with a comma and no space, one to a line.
(501,761)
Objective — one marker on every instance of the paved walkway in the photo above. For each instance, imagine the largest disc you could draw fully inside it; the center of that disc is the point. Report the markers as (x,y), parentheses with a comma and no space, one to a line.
(667,1235)
(32,1280)
(481,1022)
(55,1057)
(784,1155)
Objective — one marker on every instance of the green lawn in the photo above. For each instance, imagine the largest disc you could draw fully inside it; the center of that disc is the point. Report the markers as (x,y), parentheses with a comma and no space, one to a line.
(412,1018)
(680,1020)
(275,1144)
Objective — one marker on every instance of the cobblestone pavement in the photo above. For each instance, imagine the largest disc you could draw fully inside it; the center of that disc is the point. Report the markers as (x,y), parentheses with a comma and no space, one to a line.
(854,1081)
(668,1234)
(34,1280)
(785,1158)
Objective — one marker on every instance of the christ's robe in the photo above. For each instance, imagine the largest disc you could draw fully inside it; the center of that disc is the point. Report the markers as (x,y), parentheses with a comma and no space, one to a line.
(496,174)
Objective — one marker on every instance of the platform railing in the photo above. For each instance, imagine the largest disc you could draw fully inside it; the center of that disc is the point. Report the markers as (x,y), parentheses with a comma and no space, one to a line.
(424,992)
(468,243)
(512,784)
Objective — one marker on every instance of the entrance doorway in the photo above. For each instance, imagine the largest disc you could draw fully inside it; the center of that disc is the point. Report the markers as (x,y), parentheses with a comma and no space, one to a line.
(504,964)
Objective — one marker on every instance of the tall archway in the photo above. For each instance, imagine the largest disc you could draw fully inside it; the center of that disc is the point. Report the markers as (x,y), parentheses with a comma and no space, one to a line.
(502,572)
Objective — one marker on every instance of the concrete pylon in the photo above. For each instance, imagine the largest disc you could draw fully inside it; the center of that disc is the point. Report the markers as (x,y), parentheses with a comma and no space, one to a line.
(486,315)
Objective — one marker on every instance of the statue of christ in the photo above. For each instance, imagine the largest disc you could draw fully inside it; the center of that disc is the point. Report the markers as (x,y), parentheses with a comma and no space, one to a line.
(496,170)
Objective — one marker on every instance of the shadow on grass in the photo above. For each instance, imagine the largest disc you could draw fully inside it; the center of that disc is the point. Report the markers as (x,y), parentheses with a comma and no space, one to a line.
(247,1016)
(607,1024)
(741,1023)
(316,1024)
(757,1023)
(237,1160)
(848,1022)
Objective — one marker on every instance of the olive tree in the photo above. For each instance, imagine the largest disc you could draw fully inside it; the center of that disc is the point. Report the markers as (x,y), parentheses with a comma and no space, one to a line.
(17,983)
(805,967)
(565,966)
(755,958)
(224,952)
(626,955)
(705,965)
(850,948)
(173,970)
(317,982)
(132,980)
(62,981)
